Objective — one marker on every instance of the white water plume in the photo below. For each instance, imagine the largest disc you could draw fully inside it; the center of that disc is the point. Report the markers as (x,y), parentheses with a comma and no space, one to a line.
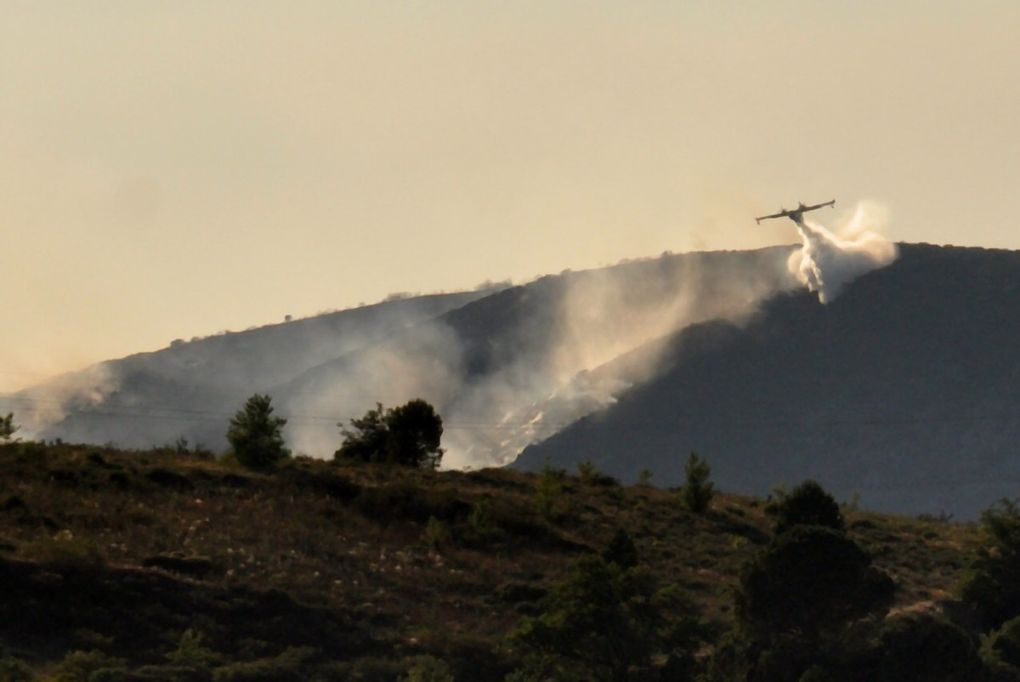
(828,261)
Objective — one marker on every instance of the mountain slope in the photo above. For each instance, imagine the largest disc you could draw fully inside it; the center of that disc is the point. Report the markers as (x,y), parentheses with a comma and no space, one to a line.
(485,359)
(190,388)
(904,390)
(487,364)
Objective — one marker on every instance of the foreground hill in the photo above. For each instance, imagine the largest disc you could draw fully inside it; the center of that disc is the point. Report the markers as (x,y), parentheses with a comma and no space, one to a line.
(323,571)
(903,390)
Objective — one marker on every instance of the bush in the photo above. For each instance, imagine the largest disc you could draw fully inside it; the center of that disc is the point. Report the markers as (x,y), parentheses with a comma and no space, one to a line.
(428,669)
(807,505)
(549,494)
(191,651)
(590,475)
(256,435)
(7,427)
(290,666)
(437,534)
(1004,643)
(991,584)
(925,649)
(408,435)
(697,491)
(14,670)
(606,622)
(621,550)
(84,666)
(809,582)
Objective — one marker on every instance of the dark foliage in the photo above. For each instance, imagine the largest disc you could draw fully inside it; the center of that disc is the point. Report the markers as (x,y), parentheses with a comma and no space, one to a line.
(992,585)
(807,505)
(697,490)
(7,427)
(604,622)
(925,649)
(809,582)
(256,435)
(1004,643)
(408,435)
(621,550)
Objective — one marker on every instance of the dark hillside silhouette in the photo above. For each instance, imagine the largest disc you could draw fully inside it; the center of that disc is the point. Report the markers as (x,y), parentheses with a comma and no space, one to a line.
(904,389)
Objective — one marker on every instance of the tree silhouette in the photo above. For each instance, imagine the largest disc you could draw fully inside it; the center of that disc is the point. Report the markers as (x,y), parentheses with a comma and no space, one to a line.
(408,435)
(697,490)
(7,426)
(256,435)
(807,505)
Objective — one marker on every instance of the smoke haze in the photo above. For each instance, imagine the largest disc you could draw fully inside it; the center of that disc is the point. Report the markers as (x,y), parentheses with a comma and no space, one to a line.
(506,366)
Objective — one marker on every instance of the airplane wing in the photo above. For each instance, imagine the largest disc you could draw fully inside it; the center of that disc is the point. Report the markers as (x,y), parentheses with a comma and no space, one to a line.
(781,214)
(827,203)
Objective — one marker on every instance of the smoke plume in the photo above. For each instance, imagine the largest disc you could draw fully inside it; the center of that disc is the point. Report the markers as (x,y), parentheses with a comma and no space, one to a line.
(829,261)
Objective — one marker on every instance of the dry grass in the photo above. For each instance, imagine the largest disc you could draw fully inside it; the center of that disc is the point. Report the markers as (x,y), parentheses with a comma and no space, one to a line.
(358,541)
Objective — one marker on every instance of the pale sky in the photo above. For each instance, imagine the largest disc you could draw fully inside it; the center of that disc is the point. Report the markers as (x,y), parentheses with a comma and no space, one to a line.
(172,169)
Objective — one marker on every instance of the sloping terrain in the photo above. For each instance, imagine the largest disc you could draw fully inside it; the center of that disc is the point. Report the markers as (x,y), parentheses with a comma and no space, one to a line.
(903,390)
(190,388)
(326,571)
(486,360)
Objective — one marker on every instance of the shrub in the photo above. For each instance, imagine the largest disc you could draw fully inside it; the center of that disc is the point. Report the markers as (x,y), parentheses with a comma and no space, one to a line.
(991,584)
(191,651)
(549,496)
(1004,643)
(809,582)
(290,666)
(256,435)
(925,648)
(408,435)
(621,550)
(428,669)
(590,475)
(7,427)
(14,670)
(437,534)
(605,622)
(697,491)
(84,666)
(807,505)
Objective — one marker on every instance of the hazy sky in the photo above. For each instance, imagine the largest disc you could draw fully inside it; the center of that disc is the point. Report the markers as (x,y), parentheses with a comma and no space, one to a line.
(170,169)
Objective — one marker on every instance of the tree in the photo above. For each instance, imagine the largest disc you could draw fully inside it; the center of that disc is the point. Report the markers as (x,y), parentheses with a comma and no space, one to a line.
(807,505)
(7,427)
(408,435)
(697,490)
(256,435)
(991,584)
(811,581)
(923,648)
(607,622)
(621,550)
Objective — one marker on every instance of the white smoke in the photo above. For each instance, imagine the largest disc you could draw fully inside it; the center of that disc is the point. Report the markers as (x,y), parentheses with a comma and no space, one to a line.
(829,261)
(41,407)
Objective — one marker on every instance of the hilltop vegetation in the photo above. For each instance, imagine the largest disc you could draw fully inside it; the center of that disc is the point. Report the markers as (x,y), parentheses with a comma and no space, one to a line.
(166,564)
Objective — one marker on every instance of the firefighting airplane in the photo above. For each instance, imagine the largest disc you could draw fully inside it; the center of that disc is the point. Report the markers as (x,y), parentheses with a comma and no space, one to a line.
(797,214)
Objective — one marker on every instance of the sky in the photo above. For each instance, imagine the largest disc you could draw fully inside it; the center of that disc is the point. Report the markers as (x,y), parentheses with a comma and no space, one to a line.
(174,169)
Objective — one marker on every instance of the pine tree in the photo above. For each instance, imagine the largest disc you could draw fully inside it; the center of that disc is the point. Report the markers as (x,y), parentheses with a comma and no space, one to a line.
(256,435)
(697,490)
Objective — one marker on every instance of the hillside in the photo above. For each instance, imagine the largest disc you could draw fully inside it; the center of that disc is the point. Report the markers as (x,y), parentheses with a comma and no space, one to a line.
(189,388)
(488,360)
(326,571)
(903,390)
